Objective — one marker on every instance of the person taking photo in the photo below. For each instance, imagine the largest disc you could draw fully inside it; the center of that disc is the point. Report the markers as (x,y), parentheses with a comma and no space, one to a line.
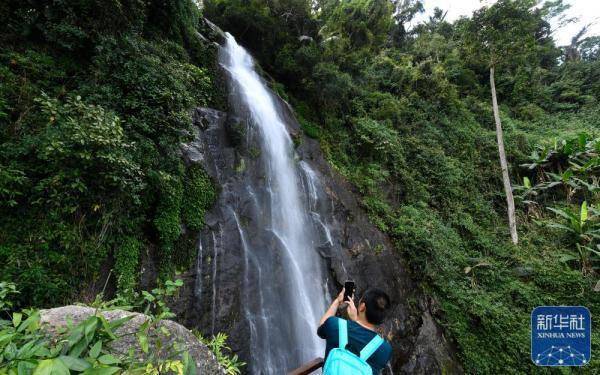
(353,345)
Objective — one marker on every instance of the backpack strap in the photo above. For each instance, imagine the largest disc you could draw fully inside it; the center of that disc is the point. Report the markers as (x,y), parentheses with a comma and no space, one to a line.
(371,347)
(342,333)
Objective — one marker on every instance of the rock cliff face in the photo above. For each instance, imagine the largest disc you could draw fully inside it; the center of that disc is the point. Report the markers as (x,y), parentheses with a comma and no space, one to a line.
(352,247)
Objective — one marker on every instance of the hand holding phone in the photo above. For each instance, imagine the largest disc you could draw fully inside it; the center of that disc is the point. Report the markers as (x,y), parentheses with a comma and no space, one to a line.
(349,289)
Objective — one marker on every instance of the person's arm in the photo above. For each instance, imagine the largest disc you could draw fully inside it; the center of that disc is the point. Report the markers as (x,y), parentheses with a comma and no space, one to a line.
(351,311)
(333,308)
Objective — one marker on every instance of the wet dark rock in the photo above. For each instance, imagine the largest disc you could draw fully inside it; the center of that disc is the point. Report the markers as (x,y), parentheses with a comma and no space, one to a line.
(204,117)
(354,249)
(211,32)
(236,130)
(429,357)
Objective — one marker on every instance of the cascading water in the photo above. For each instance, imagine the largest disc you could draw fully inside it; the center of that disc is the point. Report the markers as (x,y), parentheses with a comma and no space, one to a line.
(286,277)
(284,232)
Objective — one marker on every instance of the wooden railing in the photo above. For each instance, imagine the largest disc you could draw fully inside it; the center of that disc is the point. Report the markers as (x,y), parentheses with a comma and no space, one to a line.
(308,368)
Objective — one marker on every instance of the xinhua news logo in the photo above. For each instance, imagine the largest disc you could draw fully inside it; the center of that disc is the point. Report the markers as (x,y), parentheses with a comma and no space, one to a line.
(561,336)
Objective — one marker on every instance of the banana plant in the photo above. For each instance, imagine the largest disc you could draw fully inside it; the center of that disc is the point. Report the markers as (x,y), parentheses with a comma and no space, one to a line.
(574,147)
(585,165)
(583,226)
(564,179)
(592,187)
(526,192)
(539,157)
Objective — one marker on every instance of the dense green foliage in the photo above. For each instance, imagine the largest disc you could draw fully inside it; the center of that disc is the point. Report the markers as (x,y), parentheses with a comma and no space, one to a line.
(405,114)
(95,99)
(566,169)
(27,347)
(94,102)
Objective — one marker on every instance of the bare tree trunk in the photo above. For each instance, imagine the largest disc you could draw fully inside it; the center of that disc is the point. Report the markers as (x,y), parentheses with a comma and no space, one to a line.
(510,201)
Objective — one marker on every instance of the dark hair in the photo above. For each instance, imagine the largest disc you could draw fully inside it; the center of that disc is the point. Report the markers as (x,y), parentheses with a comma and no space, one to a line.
(377,305)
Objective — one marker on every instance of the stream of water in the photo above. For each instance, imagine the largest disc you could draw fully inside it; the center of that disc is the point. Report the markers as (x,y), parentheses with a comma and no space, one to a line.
(286,277)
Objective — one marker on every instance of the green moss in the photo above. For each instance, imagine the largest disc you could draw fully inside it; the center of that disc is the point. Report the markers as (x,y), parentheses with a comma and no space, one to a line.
(309,128)
(241,165)
(279,90)
(254,152)
(127,257)
(200,194)
(167,220)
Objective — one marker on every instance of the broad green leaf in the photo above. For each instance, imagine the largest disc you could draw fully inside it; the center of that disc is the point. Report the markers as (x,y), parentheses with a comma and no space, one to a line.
(147,296)
(26,367)
(44,367)
(56,349)
(76,335)
(74,363)
(143,340)
(95,350)
(526,182)
(82,336)
(60,368)
(89,327)
(107,328)
(189,365)
(78,348)
(10,351)
(566,214)
(582,139)
(31,323)
(6,338)
(51,367)
(101,371)
(17,319)
(27,350)
(108,359)
(42,351)
(119,322)
(583,216)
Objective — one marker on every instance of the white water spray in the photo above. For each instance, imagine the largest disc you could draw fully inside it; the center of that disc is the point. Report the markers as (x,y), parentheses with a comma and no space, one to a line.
(283,315)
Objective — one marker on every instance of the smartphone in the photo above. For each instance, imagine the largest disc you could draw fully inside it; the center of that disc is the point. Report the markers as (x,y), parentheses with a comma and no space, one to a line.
(349,289)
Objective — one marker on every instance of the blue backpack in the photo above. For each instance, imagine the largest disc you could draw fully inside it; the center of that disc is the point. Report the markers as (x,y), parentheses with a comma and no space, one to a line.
(343,362)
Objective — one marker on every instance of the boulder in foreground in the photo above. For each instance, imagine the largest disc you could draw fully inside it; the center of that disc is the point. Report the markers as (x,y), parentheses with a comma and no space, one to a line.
(206,363)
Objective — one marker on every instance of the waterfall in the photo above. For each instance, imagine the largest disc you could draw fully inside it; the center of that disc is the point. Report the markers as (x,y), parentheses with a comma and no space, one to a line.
(284,292)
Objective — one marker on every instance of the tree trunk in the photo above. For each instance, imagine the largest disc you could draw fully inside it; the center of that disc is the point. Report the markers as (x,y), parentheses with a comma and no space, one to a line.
(510,201)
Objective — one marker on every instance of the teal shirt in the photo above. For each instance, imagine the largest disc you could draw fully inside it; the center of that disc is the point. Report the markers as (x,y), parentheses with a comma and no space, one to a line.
(358,337)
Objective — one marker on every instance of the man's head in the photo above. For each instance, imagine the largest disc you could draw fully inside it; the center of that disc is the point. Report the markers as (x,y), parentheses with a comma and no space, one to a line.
(374,305)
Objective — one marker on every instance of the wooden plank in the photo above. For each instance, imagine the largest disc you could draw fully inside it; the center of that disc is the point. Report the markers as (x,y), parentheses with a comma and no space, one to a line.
(308,367)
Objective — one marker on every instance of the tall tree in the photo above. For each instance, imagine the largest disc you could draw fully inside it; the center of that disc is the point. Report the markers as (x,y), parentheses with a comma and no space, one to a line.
(500,34)
(510,201)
